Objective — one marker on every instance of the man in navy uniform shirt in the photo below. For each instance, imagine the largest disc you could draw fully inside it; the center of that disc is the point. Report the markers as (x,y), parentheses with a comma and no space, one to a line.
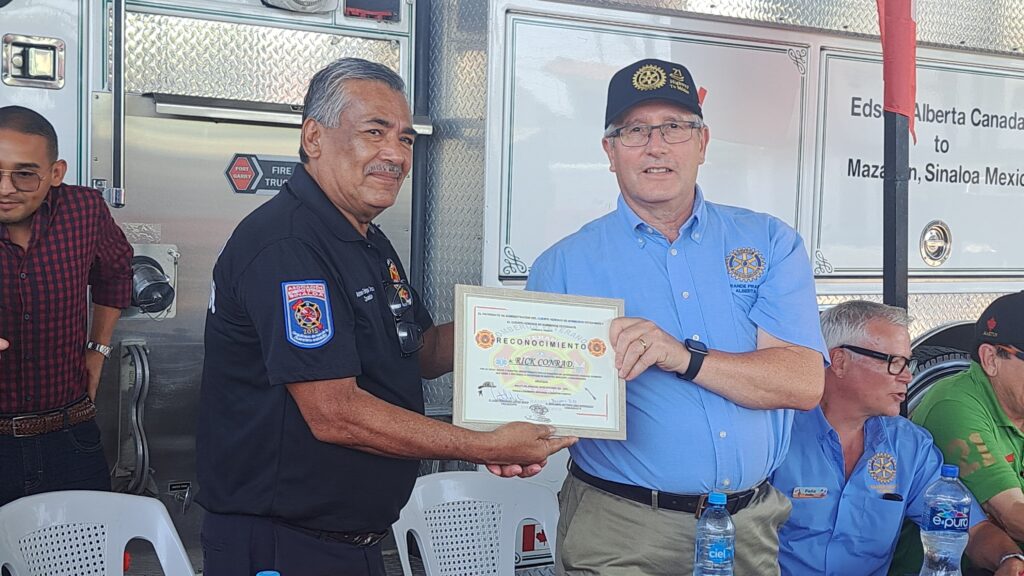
(856,468)
(311,414)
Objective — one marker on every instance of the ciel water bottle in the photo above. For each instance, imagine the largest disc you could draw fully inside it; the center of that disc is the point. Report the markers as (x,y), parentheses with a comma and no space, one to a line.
(716,539)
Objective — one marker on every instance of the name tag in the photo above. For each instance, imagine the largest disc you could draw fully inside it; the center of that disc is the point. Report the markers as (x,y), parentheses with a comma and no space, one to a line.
(801,492)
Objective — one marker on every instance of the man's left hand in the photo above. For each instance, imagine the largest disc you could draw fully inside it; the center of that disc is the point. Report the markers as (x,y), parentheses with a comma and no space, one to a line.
(94,367)
(640,344)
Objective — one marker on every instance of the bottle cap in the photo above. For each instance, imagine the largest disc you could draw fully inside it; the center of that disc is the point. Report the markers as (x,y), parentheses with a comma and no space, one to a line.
(268,573)
(717,498)
(950,470)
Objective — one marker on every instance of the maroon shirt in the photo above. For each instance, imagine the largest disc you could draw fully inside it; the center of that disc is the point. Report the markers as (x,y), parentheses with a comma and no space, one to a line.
(43,308)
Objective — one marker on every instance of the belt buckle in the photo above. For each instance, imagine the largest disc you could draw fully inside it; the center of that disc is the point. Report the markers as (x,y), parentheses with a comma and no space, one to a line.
(702,503)
(14,425)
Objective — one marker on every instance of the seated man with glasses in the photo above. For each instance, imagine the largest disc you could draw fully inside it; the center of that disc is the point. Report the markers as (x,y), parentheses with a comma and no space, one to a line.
(856,469)
(977,420)
(56,242)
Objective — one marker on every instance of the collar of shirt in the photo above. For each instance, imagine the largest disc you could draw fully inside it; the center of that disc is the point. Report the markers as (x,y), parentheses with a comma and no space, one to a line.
(643,231)
(875,437)
(984,386)
(307,191)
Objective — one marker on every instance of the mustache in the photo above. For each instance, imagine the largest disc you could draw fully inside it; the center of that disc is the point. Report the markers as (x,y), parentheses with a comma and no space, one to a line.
(388,168)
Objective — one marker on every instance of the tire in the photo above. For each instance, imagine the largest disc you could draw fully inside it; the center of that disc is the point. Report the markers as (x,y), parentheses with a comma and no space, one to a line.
(933,364)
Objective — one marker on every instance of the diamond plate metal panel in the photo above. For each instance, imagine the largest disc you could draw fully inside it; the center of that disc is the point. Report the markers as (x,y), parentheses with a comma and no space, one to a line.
(189,57)
(455,174)
(927,311)
(987,25)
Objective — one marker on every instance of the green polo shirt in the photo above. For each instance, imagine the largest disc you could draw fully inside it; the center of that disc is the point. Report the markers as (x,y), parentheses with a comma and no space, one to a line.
(973,432)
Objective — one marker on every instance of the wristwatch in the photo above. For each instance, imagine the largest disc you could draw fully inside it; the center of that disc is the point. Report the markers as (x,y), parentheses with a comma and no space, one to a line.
(97,347)
(698,350)
(1006,557)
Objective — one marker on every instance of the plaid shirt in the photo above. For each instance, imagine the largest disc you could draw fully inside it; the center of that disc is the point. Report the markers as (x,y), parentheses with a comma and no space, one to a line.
(43,297)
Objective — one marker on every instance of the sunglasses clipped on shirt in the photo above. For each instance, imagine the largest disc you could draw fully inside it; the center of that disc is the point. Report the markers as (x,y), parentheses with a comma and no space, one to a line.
(410,335)
(895,364)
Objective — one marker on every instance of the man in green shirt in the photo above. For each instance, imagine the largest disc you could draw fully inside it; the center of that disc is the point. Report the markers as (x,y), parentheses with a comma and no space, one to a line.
(976,418)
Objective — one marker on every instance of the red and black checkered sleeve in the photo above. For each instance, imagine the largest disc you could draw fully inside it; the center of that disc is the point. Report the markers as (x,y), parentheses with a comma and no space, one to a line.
(111,273)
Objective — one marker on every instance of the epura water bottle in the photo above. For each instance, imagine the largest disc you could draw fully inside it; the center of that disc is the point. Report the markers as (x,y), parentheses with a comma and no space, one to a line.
(716,539)
(944,533)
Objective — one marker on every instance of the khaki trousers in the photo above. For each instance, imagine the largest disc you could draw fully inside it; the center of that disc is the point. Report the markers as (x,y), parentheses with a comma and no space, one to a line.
(602,534)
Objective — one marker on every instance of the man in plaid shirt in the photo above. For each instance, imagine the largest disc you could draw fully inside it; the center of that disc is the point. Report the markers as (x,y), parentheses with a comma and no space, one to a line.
(56,241)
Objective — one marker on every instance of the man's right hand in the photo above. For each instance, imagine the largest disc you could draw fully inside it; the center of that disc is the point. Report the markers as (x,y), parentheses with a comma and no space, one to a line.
(522,448)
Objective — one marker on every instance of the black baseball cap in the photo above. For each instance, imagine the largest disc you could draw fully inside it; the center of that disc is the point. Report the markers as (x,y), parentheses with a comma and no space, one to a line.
(1002,322)
(650,79)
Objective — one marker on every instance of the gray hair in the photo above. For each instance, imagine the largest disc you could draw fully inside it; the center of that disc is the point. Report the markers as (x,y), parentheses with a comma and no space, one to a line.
(327,98)
(846,323)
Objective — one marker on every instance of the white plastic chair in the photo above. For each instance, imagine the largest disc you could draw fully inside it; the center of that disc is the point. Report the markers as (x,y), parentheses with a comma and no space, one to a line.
(466,522)
(84,533)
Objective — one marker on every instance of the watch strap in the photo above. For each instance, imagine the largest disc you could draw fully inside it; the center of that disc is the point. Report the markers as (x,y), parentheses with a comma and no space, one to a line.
(696,361)
(97,347)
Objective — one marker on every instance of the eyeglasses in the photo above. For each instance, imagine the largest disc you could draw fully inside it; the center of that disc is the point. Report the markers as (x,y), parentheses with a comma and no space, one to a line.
(410,335)
(897,364)
(23,180)
(1012,350)
(640,134)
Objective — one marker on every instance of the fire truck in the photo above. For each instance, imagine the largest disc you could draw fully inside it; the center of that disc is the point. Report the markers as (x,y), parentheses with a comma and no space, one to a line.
(185,113)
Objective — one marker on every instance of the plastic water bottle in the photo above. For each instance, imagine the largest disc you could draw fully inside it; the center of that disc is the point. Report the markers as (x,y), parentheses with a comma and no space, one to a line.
(268,573)
(716,539)
(944,535)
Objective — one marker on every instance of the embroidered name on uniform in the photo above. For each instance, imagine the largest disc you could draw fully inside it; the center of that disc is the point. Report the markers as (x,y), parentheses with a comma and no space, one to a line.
(365,293)
(307,312)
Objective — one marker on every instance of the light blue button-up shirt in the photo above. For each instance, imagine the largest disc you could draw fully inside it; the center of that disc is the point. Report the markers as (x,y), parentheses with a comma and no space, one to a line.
(840,527)
(729,272)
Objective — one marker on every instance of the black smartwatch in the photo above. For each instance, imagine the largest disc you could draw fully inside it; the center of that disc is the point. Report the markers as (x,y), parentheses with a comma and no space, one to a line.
(698,350)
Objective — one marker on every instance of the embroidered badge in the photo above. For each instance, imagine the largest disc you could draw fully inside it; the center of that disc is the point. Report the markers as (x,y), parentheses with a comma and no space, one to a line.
(307,313)
(745,264)
(677,80)
(801,492)
(648,77)
(882,468)
(393,271)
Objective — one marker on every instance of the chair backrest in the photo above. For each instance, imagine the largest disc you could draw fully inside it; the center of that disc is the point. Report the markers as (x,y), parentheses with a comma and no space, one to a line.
(84,533)
(552,475)
(466,522)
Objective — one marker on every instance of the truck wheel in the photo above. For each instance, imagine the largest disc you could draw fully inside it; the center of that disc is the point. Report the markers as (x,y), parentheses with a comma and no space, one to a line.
(933,364)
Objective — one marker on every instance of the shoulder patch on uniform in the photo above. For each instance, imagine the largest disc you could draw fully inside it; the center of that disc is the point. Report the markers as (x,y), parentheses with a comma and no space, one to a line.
(307,313)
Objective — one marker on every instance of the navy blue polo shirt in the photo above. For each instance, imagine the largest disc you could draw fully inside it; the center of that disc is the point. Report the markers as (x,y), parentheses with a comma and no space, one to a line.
(299,295)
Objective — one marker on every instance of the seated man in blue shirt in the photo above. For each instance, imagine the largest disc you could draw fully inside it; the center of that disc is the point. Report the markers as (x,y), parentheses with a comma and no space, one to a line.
(855,467)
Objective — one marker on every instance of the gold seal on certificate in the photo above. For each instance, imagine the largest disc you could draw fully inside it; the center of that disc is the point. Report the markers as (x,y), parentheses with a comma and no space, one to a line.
(537,357)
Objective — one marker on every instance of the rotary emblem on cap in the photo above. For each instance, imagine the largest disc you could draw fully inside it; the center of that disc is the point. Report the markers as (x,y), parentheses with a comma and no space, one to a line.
(648,77)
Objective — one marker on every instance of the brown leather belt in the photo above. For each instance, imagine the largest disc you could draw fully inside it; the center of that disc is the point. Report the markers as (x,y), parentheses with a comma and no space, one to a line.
(46,422)
(691,503)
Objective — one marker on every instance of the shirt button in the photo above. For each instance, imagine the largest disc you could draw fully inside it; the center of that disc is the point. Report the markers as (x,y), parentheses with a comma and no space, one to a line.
(686,295)
(28,397)
(696,236)
(726,482)
(22,275)
(650,230)
(673,252)
(695,337)
(28,316)
(723,434)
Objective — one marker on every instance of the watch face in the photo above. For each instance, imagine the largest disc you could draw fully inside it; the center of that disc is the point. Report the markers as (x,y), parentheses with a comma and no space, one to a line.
(696,346)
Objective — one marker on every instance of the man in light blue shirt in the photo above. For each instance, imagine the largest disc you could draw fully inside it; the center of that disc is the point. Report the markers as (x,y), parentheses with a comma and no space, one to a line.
(720,342)
(855,468)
